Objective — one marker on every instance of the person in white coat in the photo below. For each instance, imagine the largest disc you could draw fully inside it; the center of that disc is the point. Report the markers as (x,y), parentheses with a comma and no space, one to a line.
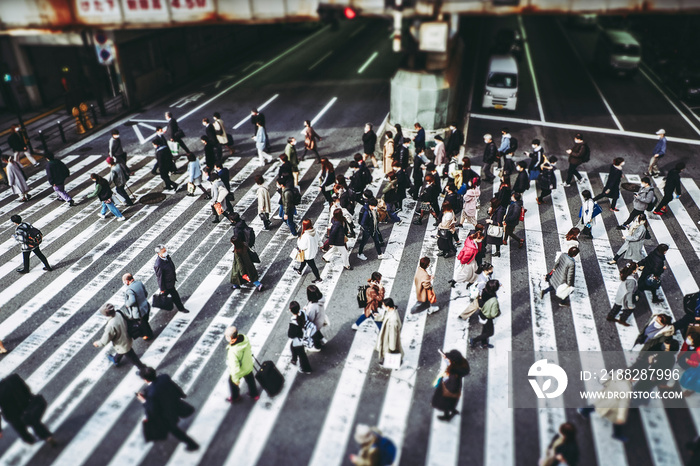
(633,247)
(308,244)
(586,218)
(316,313)
(15,178)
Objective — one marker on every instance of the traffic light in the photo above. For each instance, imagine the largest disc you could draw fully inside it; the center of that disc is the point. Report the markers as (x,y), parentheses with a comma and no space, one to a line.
(333,14)
(7,77)
(349,13)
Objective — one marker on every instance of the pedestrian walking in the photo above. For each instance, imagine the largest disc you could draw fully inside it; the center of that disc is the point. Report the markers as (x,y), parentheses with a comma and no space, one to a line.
(221,136)
(212,135)
(19,408)
(563,449)
(390,195)
(633,247)
(209,156)
(116,332)
(453,145)
(504,148)
(116,150)
(467,269)
(164,406)
(511,219)
(488,302)
(194,176)
(18,145)
(374,292)
(167,276)
(470,203)
(262,144)
(165,165)
(448,387)
(56,173)
(285,170)
(136,303)
(287,207)
(219,195)
(579,154)
(494,232)
(327,178)
(315,312)
(419,139)
(345,194)
(655,332)
(299,328)
(440,154)
(337,239)
(522,181)
(418,162)
(16,179)
(476,289)
(388,152)
(349,224)
(659,152)
(375,450)
(456,202)
(547,180)
(243,271)
(307,245)
(561,278)
(587,214)
(255,118)
(423,284)
(652,267)
(626,296)
(612,184)
(369,144)
(176,133)
(612,404)
(263,196)
(402,184)
(389,338)
(118,175)
(489,158)
(160,138)
(291,152)
(446,231)
(104,193)
(672,186)
(403,155)
(311,139)
(29,238)
(429,200)
(369,226)
(398,137)
(239,360)
(225,177)
(537,158)
(642,200)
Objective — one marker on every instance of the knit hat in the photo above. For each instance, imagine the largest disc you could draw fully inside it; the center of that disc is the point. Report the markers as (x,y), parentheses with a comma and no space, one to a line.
(363,433)
(107,310)
(110,160)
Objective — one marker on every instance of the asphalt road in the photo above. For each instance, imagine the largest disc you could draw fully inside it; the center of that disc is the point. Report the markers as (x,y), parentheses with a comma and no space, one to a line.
(49,320)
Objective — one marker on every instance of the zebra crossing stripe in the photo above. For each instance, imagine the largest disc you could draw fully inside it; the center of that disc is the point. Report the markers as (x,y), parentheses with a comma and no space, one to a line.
(550,413)
(688,226)
(39,177)
(692,188)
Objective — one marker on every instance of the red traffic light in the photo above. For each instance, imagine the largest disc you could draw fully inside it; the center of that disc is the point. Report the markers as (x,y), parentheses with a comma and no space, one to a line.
(349,13)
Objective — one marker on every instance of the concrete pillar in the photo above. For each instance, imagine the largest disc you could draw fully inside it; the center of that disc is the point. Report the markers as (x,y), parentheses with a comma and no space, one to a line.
(420,96)
(27,73)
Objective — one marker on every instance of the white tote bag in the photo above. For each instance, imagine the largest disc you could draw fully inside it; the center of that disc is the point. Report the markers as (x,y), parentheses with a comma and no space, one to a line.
(564,290)
(392,361)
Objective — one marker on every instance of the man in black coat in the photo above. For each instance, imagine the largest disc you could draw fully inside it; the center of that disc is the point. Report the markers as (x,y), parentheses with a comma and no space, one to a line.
(176,134)
(357,184)
(511,219)
(224,175)
(612,185)
(15,398)
(402,184)
(210,131)
(166,276)
(162,402)
(56,173)
(164,162)
(653,267)
(369,221)
(454,142)
(19,146)
(673,184)
(404,156)
(115,148)
(522,181)
(490,157)
(369,144)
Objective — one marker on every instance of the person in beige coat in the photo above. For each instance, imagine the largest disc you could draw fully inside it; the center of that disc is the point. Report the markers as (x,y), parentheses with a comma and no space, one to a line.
(263,201)
(389,339)
(223,137)
(388,152)
(116,332)
(614,409)
(423,282)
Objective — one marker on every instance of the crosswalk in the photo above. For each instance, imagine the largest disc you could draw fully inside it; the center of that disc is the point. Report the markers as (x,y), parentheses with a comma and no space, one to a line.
(50,329)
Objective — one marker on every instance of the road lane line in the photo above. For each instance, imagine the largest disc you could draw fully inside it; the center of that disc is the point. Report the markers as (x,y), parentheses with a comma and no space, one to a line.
(146,125)
(358,30)
(318,62)
(591,129)
(323,111)
(590,77)
(240,123)
(366,64)
(668,99)
(532,68)
(690,109)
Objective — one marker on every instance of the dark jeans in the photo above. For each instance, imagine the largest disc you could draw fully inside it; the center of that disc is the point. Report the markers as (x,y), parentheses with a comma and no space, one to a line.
(327,195)
(315,151)
(509,231)
(252,388)
(668,197)
(132,357)
(182,436)
(613,200)
(298,352)
(417,184)
(176,297)
(391,211)
(366,235)
(632,216)
(219,152)
(38,427)
(312,264)
(38,253)
(571,172)
(487,171)
(122,192)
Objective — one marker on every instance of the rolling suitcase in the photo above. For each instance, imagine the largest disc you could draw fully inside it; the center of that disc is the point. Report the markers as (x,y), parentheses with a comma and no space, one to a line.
(269,377)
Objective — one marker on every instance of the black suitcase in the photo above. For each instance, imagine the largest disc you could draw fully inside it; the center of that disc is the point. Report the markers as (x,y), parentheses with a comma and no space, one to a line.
(269,377)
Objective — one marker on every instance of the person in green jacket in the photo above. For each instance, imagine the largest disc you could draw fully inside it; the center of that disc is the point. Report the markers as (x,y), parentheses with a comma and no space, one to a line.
(291,153)
(239,359)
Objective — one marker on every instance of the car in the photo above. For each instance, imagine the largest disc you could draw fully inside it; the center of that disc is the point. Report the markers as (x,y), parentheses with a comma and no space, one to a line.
(617,51)
(686,84)
(508,41)
(501,87)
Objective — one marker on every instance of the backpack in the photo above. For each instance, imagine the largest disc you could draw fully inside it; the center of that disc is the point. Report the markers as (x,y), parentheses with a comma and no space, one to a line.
(652,204)
(249,234)
(362,296)
(296,196)
(586,155)
(366,176)
(691,303)
(387,451)
(34,236)
(513,145)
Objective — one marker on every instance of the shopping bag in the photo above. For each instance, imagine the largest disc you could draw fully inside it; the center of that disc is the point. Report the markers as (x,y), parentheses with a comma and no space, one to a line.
(564,290)
(191,188)
(432,299)
(174,147)
(392,361)
(218,208)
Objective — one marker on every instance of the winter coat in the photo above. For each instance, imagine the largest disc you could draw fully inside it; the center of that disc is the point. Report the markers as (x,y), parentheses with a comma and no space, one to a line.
(614,409)
(468,252)
(490,153)
(57,172)
(643,198)
(310,138)
(336,237)
(15,178)
(587,213)
(422,283)
(263,199)
(388,155)
(579,153)
(453,383)
(291,153)
(440,153)
(316,312)
(165,159)
(504,148)
(102,190)
(16,142)
(547,178)
(419,140)
(455,202)
(625,293)
(136,300)
(239,358)
(328,179)
(375,296)
(613,182)
(633,248)
(564,270)
(454,142)
(470,199)
(308,243)
(430,194)
(491,309)
(660,147)
(194,171)
(403,156)
(220,127)
(369,220)
(165,273)
(288,201)
(512,214)
(163,401)
(522,182)
(242,265)
(116,333)
(369,142)
(117,175)
(536,159)
(261,140)
(218,191)
(653,265)
(389,339)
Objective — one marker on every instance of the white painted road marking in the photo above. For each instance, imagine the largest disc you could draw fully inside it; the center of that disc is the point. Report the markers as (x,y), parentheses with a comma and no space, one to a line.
(366,64)
(318,62)
(242,122)
(531,67)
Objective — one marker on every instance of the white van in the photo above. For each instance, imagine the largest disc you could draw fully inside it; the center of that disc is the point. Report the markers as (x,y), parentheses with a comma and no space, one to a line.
(618,51)
(501,89)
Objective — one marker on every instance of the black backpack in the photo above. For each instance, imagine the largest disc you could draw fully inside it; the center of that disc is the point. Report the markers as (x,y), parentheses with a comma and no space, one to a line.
(249,234)
(652,204)
(34,236)
(586,155)
(362,295)
(296,196)
(513,145)
(366,176)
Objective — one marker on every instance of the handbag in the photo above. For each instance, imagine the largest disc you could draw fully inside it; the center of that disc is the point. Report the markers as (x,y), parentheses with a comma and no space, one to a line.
(133,327)
(448,394)
(217,207)
(534,174)
(495,231)
(190,188)
(652,282)
(174,147)
(254,258)
(162,301)
(392,361)
(564,290)
(432,299)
